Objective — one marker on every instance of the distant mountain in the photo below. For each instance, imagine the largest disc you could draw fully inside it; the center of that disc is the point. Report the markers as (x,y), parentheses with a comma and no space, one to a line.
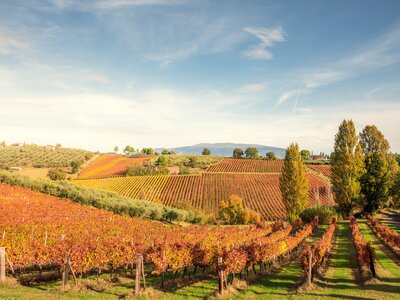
(225,149)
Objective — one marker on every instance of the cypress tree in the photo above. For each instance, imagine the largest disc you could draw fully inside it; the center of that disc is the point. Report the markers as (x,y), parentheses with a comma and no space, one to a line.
(347,167)
(293,183)
(376,180)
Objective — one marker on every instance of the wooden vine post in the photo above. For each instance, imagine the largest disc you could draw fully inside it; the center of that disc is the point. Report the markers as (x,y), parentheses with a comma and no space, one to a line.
(139,273)
(2,264)
(309,277)
(220,277)
(65,273)
(371,258)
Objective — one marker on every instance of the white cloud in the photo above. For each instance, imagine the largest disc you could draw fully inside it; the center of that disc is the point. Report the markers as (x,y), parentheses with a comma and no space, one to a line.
(382,52)
(286,95)
(109,4)
(166,58)
(268,37)
(166,117)
(252,88)
(10,43)
(90,5)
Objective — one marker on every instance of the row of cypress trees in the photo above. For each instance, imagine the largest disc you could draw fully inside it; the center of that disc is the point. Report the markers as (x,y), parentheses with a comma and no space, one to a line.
(363,172)
(363,169)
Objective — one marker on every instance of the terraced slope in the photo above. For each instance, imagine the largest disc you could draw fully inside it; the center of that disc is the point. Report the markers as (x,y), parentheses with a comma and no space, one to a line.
(106,166)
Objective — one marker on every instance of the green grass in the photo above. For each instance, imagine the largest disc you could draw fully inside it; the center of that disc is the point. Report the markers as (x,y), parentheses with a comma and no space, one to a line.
(281,284)
(340,281)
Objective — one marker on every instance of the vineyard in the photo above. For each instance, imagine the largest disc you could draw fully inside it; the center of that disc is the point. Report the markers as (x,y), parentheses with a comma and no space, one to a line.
(42,233)
(39,231)
(106,166)
(325,170)
(260,192)
(40,156)
(232,165)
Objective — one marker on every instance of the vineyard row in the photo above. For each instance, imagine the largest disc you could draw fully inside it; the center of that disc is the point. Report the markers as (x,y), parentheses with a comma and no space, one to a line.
(260,192)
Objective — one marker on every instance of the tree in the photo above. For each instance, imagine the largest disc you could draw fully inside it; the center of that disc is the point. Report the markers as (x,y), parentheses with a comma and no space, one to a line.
(232,211)
(193,162)
(375,181)
(75,166)
(57,174)
(394,176)
(293,183)
(305,154)
(395,190)
(251,152)
(148,151)
(270,155)
(237,153)
(116,149)
(161,161)
(206,151)
(347,167)
(129,150)
(166,152)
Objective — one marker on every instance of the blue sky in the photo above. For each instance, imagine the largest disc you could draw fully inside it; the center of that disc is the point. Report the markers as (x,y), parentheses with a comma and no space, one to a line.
(96,74)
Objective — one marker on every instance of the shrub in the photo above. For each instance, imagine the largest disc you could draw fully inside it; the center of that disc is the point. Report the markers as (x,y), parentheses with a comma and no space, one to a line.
(232,212)
(57,174)
(137,170)
(324,213)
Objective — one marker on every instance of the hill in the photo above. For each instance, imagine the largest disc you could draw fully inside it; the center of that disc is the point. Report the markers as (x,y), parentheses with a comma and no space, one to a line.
(225,149)
(260,191)
(109,166)
(24,155)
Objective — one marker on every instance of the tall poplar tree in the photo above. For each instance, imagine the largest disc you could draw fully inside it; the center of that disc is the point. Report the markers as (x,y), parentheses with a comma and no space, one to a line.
(293,183)
(347,167)
(376,180)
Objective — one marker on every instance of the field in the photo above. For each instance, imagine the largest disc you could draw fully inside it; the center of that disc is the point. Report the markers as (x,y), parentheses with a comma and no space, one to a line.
(39,233)
(260,191)
(39,230)
(34,172)
(325,170)
(40,156)
(232,165)
(105,166)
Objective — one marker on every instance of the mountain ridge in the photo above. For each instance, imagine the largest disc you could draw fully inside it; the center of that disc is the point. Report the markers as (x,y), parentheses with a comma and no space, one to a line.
(225,149)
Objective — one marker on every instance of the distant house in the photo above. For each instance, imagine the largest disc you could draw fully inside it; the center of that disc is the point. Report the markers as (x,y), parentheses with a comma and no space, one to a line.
(173,170)
(17,145)
(319,157)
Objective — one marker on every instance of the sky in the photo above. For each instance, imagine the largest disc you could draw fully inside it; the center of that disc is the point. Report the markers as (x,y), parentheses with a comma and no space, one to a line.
(165,73)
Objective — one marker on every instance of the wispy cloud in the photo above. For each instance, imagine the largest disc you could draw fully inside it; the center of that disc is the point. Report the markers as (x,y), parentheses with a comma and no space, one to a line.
(179,41)
(90,5)
(383,52)
(252,88)
(167,58)
(268,37)
(10,43)
(109,4)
